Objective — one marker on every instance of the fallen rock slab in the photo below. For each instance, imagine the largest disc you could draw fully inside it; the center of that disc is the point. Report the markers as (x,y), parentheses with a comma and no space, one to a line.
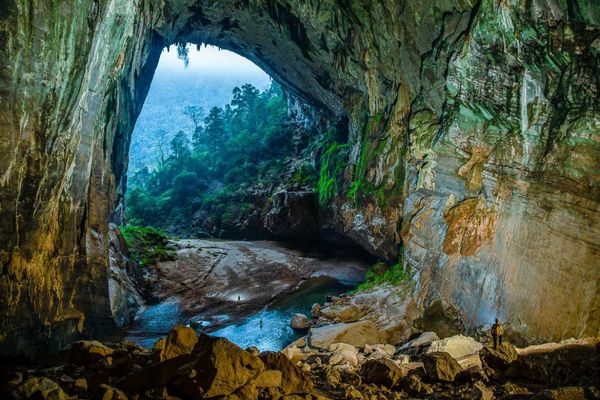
(457,346)
(357,334)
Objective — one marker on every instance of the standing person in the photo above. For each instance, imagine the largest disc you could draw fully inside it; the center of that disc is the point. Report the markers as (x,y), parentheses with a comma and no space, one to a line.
(497,332)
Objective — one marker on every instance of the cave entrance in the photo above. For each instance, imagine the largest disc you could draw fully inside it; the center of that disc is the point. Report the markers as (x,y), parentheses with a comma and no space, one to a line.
(213,123)
(221,207)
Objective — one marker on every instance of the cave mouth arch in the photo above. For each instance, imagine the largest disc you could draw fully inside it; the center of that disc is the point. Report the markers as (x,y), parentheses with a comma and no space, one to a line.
(215,157)
(205,119)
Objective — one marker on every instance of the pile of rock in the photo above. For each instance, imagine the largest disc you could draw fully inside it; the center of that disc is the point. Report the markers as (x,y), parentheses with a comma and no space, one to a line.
(186,366)
(182,366)
(455,367)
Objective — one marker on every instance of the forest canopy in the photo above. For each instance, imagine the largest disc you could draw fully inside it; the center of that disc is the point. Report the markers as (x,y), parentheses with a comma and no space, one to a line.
(241,145)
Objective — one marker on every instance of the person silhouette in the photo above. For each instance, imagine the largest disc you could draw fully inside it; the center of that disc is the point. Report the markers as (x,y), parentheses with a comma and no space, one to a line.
(497,332)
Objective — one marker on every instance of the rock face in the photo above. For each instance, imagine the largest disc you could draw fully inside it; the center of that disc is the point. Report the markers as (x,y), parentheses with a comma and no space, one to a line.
(125,299)
(472,137)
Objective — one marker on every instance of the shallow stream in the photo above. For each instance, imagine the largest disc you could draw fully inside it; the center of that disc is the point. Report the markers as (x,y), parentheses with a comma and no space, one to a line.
(268,329)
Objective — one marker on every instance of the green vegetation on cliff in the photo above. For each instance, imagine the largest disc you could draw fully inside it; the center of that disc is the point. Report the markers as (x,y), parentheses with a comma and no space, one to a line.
(147,245)
(381,273)
(332,165)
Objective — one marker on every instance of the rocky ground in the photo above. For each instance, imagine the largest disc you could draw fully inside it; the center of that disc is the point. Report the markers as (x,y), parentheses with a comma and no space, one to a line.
(185,366)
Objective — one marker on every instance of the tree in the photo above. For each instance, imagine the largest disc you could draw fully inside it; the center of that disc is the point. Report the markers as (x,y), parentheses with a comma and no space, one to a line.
(195,113)
(180,145)
(161,144)
(214,132)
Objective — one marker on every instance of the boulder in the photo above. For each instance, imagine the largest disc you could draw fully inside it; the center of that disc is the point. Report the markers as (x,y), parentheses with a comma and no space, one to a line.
(268,378)
(419,342)
(472,360)
(181,340)
(293,379)
(294,354)
(457,346)
(481,392)
(111,393)
(357,334)
(80,385)
(155,375)
(40,386)
(159,345)
(441,366)
(246,392)
(402,359)
(413,385)
(471,375)
(563,393)
(300,321)
(344,358)
(122,365)
(220,368)
(413,368)
(386,349)
(89,351)
(499,359)
(510,389)
(255,351)
(315,310)
(381,372)
(339,347)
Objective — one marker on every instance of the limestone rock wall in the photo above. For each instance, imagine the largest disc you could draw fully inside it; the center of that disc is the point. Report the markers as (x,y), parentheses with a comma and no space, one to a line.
(501,211)
(70,92)
(473,144)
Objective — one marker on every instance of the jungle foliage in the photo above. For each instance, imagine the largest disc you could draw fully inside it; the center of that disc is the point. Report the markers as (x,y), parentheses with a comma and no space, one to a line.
(242,145)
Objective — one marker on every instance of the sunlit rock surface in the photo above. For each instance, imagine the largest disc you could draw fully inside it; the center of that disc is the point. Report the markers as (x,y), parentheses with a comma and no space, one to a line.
(473,140)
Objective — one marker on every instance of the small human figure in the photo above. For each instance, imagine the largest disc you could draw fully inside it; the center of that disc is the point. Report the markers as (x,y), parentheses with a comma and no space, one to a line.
(261,325)
(239,298)
(497,332)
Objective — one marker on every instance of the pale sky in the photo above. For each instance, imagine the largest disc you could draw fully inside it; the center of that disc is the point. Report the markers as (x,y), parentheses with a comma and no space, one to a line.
(208,58)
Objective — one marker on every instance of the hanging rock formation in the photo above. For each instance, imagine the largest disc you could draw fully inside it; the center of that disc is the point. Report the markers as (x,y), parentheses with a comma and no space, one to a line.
(473,139)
